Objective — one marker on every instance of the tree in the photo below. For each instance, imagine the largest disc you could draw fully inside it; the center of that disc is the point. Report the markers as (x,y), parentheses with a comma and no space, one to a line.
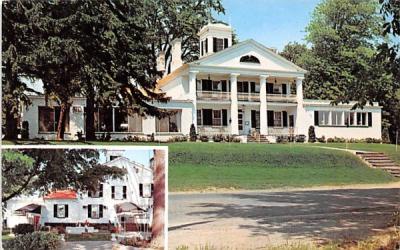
(192,133)
(295,52)
(25,171)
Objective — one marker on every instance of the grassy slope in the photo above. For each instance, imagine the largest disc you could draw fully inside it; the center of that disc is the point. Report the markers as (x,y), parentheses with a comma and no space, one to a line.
(256,166)
(389,149)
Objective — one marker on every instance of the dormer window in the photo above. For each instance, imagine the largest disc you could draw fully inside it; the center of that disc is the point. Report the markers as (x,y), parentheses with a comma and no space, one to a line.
(219,44)
(249,59)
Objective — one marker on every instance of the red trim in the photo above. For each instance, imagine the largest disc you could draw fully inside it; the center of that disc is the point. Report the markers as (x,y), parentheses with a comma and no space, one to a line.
(62,194)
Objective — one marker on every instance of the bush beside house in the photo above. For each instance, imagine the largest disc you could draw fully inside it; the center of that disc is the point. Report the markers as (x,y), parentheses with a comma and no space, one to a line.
(35,240)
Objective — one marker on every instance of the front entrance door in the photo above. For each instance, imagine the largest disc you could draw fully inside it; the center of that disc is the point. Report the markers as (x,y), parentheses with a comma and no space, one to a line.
(240,120)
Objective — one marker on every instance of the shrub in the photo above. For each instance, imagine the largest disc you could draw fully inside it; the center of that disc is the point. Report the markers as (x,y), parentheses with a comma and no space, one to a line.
(282,139)
(35,240)
(321,139)
(229,138)
(25,130)
(218,138)
(23,228)
(192,133)
(300,138)
(236,139)
(311,134)
(204,138)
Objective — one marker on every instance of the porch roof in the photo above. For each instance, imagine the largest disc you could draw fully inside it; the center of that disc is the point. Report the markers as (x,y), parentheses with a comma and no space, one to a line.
(128,207)
(31,208)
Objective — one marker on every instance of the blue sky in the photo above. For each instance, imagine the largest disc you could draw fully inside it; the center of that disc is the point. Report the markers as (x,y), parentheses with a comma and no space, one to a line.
(273,23)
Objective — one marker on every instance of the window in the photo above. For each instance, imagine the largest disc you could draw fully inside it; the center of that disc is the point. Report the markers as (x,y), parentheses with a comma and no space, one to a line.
(118,192)
(278,119)
(336,118)
(216,86)
(217,118)
(96,194)
(323,118)
(145,190)
(60,211)
(361,119)
(135,123)
(243,87)
(249,59)
(95,211)
(48,119)
(349,118)
(103,120)
(121,120)
(276,89)
(240,119)
(219,44)
(199,117)
(169,124)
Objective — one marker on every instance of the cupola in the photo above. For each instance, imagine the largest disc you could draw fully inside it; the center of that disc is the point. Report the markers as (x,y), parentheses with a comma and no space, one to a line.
(113,154)
(214,37)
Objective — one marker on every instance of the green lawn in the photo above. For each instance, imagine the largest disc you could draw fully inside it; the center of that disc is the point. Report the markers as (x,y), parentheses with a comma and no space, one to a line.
(202,166)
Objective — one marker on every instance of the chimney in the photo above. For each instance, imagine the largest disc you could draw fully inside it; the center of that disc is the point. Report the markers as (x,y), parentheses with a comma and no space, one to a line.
(176,54)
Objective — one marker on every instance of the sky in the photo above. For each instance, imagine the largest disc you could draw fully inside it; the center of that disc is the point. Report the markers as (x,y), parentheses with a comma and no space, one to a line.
(273,23)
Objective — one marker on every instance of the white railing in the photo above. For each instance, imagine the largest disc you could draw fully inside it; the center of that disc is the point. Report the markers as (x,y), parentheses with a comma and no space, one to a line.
(281,131)
(213,95)
(281,98)
(249,97)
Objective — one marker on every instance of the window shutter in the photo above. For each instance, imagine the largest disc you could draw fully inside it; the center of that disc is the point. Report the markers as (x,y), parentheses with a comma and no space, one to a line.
(101,190)
(202,48)
(214,44)
(369,119)
(141,190)
(89,194)
(152,189)
(316,118)
(89,210)
(112,192)
(225,43)
(66,211)
(270,117)
(206,46)
(253,119)
(253,87)
(246,87)
(284,89)
(284,114)
(124,192)
(225,117)
(100,211)
(270,88)
(223,83)
(55,211)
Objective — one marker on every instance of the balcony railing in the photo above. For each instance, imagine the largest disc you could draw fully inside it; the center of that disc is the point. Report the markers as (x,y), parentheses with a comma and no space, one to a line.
(249,97)
(281,98)
(213,95)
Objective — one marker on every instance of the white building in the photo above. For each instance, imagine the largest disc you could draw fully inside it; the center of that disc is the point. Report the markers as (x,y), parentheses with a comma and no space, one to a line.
(126,202)
(244,89)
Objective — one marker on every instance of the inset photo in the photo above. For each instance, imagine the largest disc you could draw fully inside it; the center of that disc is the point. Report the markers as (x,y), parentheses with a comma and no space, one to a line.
(84,198)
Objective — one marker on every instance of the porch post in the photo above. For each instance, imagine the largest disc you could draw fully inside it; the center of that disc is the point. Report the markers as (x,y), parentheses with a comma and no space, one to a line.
(193,95)
(234,105)
(300,112)
(263,105)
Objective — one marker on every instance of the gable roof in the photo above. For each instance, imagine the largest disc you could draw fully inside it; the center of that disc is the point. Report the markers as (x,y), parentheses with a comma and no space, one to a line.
(246,43)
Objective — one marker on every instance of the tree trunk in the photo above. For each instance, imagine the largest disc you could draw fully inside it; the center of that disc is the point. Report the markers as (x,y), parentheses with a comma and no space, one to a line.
(62,120)
(90,129)
(11,123)
(159,195)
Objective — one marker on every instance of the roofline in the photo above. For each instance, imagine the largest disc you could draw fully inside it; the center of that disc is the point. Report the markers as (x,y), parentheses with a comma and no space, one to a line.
(309,102)
(166,79)
(129,160)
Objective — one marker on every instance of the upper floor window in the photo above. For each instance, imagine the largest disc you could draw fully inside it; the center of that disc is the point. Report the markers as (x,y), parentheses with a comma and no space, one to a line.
(249,59)
(118,192)
(146,190)
(60,211)
(96,194)
(220,44)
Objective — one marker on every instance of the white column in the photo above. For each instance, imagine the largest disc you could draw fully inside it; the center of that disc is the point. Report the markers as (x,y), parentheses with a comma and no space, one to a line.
(343,116)
(263,105)
(193,95)
(301,127)
(234,105)
(288,88)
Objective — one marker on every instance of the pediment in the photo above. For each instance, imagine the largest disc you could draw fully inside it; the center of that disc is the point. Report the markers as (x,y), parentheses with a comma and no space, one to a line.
(246,55)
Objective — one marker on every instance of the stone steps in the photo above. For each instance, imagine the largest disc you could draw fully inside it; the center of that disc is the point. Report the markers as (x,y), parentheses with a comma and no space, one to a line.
(380,161)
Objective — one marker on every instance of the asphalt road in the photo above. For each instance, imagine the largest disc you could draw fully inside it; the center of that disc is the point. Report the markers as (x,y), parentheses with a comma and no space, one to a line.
(255,219)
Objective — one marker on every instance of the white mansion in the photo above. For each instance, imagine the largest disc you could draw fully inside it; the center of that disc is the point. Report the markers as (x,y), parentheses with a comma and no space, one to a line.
(242,89)
(125,203)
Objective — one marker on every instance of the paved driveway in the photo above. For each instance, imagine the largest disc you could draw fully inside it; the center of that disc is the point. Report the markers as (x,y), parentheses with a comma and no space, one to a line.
(94,245)
(255,219)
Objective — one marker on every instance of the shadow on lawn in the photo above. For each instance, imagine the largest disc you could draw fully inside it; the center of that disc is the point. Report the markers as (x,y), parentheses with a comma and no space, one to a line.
(320,215)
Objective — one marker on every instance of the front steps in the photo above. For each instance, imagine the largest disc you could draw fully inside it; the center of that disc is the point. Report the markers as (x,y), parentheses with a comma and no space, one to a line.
(381,161)
(257,138)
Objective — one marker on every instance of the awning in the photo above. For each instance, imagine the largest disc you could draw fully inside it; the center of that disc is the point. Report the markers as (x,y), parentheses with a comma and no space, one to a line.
(31,208)
(128,207)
